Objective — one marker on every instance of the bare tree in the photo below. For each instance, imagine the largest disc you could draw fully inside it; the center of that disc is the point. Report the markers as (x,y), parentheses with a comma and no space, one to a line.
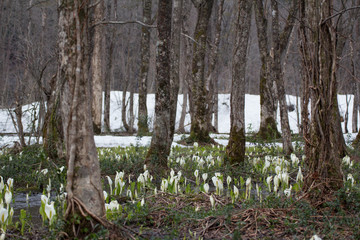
(319,55)
(85,195)
(160,147)
(175,64)
(199,92)
(143,127)
(97,71)
(236,146)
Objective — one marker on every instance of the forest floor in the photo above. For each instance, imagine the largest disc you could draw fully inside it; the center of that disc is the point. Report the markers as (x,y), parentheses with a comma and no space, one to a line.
(202,198)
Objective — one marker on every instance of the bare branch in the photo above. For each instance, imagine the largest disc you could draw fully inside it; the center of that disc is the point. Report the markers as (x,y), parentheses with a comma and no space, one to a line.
(125,22)
(339,13)
(189,37)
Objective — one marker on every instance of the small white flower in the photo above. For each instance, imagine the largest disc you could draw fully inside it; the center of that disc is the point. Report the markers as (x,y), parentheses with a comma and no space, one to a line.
(44,171)
(228,180)
(248,181)
(50,211)
(10,182)
(113,205)
(105,195)
(3,215)
(8,197)
(236,192)
(277,169)
(266,165)
(204,176)
(276,183)
(196,145)
(315,237)
(164,185)
(142,202)
(294,159)
(206,188)
(212,201)
(268,181)
(61,169)
(196,173)
(287,191)
(351,179)
(299,176)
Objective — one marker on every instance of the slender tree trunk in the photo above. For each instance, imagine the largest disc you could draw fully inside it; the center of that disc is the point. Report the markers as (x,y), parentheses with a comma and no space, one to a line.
(236,147)
(143,127)
(123,108)
(199,128)
(131,110)
(109,36)
(277,76)
(355,92)
(175,65)
(268,128)
(97,73)
(183,110)
(213,57)
(160,148)
(322,158)
(85,195)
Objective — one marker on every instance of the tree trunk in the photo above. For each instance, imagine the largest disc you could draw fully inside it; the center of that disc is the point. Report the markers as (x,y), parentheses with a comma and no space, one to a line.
(143,127)
(213,57)
(319,42)
(175,65)
(268,128)
(85,195)
(356,88)
(183,111)
(159,150)
(236,147)
(277,76)
(199,92)
(109,36)
(97,73)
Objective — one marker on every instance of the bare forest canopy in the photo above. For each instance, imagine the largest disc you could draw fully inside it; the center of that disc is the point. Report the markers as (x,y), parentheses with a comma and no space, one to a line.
(28,41)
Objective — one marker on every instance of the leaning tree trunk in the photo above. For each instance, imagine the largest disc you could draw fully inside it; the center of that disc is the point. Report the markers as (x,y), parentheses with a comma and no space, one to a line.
(143,127)
(85,195)
(236,146)
(268,127)
(277,76)
(160,147)
(322,158)
(199,129)
(97,73)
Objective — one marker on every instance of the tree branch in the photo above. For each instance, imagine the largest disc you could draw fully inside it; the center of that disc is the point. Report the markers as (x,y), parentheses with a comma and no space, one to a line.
(339,13)
(124,22)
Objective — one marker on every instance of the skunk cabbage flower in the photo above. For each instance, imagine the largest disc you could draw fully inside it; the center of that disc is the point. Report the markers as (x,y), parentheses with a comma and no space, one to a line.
(268,181)
(299,176)
(206,188)
(228,180)
(294,159)
(8,197)
(204,176)
(3,215)
(50,211)
(315,237)
(212,201)
(236,192)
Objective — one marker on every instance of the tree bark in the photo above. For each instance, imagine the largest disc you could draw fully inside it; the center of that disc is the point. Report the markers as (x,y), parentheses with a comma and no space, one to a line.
(319,41)
(143,127)
(277,76)
(97,73)
(83,187)
(175,65)
(160,148)
(236,147)
(268,128)
(199,128)
(213,57)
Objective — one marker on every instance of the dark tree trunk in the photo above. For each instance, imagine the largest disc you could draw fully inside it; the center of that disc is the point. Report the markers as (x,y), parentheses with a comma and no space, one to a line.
(175,65)
(236,147)
(143,127)
(160,147)
(268,99)
(199,92)
(321,142)
(85,195)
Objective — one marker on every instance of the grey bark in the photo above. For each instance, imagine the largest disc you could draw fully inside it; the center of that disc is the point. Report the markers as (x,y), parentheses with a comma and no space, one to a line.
(143,127)
(97,73)
(175,64)
(160,147)
(319,54)
(199,92)
(277,76)
(83,176)
(236,146)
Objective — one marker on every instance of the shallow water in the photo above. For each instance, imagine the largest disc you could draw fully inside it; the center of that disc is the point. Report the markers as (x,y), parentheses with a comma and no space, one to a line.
(32,207)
